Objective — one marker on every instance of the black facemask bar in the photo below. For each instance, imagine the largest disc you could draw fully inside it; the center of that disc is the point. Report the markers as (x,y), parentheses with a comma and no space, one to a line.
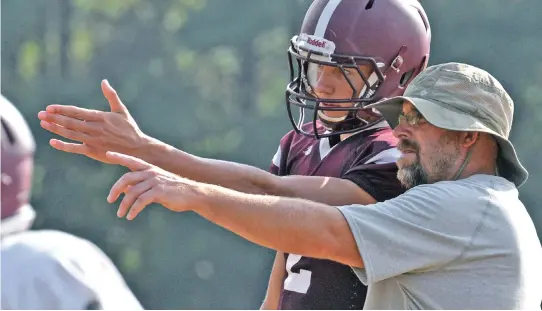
(298,90)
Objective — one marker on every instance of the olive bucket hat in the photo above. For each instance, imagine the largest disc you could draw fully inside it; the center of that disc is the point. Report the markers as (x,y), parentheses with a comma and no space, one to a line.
(461,97)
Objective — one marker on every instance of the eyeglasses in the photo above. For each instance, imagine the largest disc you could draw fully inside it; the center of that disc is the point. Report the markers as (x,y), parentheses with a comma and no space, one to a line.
(414,117)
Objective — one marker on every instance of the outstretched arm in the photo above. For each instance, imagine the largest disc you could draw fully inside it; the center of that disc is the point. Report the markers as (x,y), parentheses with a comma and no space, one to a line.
(287,225)
(99,132)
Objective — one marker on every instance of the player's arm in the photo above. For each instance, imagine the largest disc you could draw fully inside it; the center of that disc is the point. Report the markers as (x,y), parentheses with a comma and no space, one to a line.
(276,281)
(64,121)
(100,131)
(250,179)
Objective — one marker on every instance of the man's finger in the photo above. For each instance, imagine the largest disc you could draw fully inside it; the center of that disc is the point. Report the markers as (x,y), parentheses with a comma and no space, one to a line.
(76,112)
(68,122)
(142,202)
(113,98)
(132,194)
(69,147)
(64,132)
(130,162)
(122,185)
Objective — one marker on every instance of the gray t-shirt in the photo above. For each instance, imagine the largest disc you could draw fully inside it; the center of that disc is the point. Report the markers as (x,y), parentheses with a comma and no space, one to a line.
(466,244)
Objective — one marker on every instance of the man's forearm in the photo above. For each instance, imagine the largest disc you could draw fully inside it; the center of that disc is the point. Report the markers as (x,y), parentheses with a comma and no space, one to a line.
(285,224)
(227,174)
(249,179)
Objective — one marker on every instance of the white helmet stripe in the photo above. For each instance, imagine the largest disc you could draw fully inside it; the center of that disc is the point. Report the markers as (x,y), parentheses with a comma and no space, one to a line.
(325,17)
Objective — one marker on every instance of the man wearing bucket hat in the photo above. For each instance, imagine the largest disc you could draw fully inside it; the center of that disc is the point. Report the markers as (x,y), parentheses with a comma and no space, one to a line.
(458,238)
(460,100)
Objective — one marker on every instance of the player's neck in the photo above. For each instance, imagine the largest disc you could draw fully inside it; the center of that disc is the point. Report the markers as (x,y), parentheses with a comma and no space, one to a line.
(334,140)
(345,136)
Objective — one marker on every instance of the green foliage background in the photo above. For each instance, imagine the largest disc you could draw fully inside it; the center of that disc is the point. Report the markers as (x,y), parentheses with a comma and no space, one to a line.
(208,76)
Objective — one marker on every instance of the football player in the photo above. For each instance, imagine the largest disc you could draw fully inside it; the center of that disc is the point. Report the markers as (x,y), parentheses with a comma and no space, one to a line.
(46,269)
(347,55)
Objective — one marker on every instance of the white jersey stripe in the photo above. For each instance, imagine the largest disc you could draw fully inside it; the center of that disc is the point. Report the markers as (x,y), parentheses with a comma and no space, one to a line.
(277,157)
(386,156)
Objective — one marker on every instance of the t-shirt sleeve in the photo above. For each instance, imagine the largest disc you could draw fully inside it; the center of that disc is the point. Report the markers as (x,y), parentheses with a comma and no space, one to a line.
(376,173)
(425,228)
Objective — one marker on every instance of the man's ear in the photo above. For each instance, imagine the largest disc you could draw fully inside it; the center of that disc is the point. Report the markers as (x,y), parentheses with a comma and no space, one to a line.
(467,139)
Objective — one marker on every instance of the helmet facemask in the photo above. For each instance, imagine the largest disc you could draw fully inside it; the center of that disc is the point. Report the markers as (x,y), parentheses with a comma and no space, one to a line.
(305,55)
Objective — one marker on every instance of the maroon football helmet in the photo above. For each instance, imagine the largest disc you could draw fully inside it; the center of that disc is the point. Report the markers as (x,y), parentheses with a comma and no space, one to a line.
(18,148)
(391,36)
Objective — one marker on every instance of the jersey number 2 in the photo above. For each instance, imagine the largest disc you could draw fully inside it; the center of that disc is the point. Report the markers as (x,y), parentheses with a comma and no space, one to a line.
(296,282)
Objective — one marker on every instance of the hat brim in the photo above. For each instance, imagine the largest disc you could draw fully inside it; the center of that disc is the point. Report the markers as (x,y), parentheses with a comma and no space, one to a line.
(442,116)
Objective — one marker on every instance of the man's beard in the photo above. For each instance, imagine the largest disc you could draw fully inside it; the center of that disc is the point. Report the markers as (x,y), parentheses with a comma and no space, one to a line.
(412,175)
(440,163)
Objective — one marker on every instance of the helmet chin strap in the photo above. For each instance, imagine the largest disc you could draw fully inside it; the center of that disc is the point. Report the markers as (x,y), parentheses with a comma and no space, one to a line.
(349,121)
(351,117)
(324,117)
(463,165)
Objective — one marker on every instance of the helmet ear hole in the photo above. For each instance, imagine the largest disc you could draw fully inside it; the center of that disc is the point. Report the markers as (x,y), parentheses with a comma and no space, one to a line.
(7,130)
(406,77)
(423,65)
(369,4)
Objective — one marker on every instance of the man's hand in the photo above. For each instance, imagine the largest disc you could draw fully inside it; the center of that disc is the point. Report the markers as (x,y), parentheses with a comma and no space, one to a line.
(97,131)
(148,184)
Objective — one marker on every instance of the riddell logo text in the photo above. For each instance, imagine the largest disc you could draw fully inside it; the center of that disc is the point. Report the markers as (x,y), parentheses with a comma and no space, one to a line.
(318,43)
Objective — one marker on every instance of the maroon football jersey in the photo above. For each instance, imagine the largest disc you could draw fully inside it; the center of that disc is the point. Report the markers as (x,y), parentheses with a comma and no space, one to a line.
(366,158)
